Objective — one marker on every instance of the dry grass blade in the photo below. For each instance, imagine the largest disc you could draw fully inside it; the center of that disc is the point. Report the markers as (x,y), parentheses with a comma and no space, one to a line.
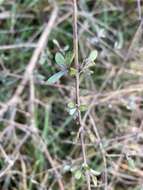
(71,104)
(32,63)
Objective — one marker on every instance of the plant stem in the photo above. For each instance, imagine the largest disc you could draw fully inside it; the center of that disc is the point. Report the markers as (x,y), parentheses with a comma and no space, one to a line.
(77,86)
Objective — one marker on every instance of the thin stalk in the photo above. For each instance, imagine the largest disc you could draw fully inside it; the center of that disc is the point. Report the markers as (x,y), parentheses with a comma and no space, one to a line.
(77,87)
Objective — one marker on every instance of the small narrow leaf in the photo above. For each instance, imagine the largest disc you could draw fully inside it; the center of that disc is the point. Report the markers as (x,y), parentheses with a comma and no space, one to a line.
(85,167)
(94,180)
(131,163)
(69,58)
(71,105)
(54,78)
(93,55)
(96,173)
(91,136)
(119,43)
(72,111)
(60,60)
(78,174)
(73,71)
(83,108)
(56,43)
(67,168)
(73,169)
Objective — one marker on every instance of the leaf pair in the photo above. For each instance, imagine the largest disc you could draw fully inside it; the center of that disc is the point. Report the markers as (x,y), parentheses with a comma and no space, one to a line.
(64,63)
(72,108)
(89,61)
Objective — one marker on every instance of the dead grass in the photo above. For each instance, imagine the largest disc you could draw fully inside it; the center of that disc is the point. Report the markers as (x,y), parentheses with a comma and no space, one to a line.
(42,146)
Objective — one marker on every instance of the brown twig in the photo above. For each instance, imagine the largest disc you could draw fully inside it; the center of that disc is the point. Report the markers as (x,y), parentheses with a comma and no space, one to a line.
(33,126)
(102,150)
(18,46)
(77,86)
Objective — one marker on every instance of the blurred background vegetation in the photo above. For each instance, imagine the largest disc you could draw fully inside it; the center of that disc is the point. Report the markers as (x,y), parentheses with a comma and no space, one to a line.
(113,86)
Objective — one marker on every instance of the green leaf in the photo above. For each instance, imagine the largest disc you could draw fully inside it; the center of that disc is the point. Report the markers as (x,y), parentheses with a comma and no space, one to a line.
(54,78)
(96,173)
(69,58)
(78,174)
(131,163)
(94,180)
(73,71)
(119,43)
(83,108)
(60,60)
(56,43)
(91,136)
(73,169)
(85,166)
(67,168)
(72,111)
(71,105)
(93,55)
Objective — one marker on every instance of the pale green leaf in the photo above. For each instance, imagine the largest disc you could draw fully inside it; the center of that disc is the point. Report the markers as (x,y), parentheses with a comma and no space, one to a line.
(94,180)
(131,163)
(93,55)
(120,42)
(85,166)
(60,60)
(71,105)
(73,71)
(94,172)
(56,43)
(73,169)
(67,168)
(54,78)
(78,174)
(83,108)
(72,111)
(69,58)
